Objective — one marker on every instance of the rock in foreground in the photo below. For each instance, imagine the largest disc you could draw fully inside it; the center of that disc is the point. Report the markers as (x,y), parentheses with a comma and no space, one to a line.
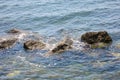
(7,43)
(33,44)
(97,39)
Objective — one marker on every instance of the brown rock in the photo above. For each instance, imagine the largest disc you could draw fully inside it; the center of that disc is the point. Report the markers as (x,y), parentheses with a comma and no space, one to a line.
(60,48)
(99,39)
(7,43)
(96,37)
(33,44)
(64,45)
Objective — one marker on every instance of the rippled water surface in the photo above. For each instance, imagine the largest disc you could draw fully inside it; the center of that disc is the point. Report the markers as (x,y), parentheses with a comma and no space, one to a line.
(54,19)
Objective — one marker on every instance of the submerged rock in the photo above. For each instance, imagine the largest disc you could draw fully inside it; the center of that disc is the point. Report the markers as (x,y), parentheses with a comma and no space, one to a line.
(34,44)
(97,39)
(98,45)
(14,31)
(17,33)
(7,43)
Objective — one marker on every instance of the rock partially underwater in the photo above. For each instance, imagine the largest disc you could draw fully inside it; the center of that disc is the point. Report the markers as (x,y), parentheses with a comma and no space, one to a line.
(13,35)
(34,44)
(14,31)
(8,43)
(97,39)
(19,34)
(32,41)
(62,46)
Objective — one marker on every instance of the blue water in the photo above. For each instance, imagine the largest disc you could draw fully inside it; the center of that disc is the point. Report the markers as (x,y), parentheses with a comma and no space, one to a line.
(58,18)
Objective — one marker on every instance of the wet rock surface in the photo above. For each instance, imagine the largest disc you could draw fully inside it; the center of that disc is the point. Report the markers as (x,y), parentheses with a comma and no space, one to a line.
(7,43)
(62,46)
(95,39)
(34,44)
(118,46)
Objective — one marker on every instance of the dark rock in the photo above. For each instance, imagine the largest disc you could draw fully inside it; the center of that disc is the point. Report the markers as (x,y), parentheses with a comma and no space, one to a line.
(94,38)
(63,46)
(7,43)
(33,44)
(60,48)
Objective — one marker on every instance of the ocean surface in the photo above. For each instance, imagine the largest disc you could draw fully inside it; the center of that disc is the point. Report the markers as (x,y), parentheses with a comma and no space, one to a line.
(53,20)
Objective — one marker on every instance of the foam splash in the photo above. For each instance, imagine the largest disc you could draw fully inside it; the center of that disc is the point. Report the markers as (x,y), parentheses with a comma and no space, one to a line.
(77,45)
(23,59)
(21,36)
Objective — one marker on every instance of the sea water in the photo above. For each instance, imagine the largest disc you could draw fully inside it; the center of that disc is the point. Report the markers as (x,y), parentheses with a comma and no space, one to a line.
(54,19)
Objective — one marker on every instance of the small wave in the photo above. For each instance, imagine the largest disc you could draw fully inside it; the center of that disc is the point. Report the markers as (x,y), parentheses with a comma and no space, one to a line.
(70,16)
(3,7)
(24,60)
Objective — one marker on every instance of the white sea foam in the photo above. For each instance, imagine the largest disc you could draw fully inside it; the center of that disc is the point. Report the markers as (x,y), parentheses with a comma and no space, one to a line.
(21,36)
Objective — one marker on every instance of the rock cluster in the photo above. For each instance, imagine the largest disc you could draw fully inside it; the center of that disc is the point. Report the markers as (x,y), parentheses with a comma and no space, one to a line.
(94,39)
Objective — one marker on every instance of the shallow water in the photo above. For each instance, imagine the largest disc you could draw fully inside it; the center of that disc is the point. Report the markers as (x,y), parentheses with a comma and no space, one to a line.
(54,19)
